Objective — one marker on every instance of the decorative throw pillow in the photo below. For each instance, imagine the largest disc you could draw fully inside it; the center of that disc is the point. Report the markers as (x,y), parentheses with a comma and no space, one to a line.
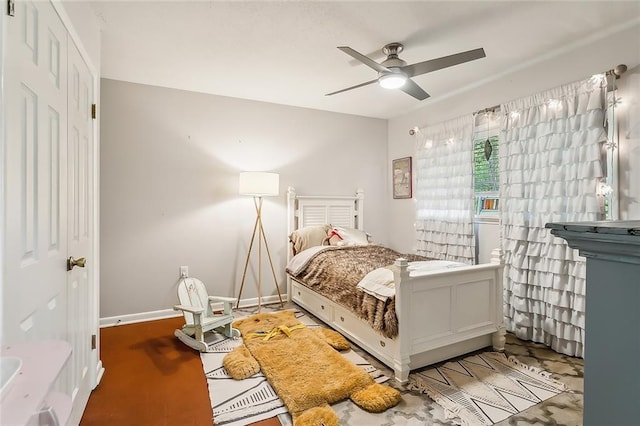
(308,236)
(333,238)
(348,236)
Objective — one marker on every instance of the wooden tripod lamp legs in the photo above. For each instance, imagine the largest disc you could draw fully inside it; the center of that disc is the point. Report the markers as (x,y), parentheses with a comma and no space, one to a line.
(257,228)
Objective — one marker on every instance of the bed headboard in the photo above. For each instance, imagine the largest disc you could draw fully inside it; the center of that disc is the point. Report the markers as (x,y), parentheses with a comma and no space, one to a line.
(341,210)
(307,210)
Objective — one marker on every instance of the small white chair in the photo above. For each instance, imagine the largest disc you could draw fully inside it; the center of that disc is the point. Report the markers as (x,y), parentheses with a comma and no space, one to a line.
(199,318)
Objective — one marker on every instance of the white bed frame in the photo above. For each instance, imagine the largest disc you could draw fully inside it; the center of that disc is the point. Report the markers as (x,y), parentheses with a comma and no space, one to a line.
(441,314)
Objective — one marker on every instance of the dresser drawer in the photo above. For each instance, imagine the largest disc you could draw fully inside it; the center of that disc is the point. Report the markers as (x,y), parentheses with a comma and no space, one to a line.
(313,302)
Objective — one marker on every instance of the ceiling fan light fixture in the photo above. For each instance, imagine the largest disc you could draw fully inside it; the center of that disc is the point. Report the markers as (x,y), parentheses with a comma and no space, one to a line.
(395,73)
(392,80)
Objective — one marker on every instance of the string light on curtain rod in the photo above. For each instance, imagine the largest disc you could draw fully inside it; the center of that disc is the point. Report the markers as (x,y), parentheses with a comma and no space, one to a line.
(615,100)
(611,143)
(608,187)
(604,189)
(555,104)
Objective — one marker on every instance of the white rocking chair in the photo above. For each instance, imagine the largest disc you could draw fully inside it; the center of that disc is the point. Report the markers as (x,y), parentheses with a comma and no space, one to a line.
(199,318)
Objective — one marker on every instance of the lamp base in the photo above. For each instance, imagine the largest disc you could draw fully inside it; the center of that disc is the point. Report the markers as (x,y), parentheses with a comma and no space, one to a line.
(257,228)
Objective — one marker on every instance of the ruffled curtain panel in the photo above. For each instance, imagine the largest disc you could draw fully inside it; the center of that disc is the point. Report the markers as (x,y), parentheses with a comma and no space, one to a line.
(551,162)
(444,191)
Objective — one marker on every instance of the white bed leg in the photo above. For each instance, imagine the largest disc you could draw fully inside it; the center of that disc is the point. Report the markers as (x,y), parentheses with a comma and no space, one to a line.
(402,376)
(401,371)
(498,339)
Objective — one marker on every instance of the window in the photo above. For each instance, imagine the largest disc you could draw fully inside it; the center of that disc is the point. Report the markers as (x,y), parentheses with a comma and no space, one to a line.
(486,172)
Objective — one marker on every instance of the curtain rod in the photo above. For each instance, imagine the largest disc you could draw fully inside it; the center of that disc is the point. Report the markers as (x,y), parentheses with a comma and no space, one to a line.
(616,72)
(613,74)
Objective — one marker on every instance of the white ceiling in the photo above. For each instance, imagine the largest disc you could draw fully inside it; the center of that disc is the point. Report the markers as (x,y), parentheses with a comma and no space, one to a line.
(285,52)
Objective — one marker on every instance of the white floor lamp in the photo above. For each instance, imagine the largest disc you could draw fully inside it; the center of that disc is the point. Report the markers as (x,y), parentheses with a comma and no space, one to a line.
(258,185)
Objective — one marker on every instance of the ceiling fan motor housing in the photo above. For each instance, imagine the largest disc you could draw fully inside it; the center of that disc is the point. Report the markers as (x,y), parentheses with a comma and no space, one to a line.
(392,50)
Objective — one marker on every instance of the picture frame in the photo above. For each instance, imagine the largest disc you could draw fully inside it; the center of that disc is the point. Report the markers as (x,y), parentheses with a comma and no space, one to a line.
(402,176)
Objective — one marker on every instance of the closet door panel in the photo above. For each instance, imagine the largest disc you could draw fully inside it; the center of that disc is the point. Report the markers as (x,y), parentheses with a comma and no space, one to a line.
(35,175)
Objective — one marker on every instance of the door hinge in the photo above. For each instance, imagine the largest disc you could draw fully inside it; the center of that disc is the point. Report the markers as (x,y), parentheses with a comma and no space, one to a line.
(94,344)
(11,7)
(93,111)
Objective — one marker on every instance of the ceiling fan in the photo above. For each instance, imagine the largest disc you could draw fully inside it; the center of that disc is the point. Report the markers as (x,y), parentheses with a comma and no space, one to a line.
(394,73)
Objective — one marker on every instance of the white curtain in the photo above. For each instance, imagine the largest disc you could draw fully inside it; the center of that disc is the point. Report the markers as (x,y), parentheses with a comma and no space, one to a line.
(444,191)
(551,163)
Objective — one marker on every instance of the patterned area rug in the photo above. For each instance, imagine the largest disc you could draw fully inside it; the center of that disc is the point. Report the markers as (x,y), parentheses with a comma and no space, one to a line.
(486,388)
(232,399)
(240,402)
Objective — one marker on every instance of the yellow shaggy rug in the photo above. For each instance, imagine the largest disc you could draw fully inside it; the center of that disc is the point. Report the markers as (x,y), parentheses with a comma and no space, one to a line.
(304,368)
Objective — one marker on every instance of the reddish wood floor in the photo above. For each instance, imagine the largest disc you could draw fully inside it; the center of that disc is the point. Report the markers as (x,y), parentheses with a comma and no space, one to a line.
(150,378)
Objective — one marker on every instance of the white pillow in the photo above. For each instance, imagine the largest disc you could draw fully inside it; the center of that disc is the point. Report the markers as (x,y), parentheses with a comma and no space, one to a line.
(350,236)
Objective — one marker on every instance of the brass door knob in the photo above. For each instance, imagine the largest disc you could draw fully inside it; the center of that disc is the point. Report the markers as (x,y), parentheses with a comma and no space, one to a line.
(71,262)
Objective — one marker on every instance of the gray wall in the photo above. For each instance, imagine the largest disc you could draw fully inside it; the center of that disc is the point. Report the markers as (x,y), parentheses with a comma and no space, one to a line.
(170,161)
(556,68)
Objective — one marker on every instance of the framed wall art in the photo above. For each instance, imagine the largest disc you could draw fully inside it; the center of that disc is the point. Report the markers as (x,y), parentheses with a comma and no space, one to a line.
(402,178)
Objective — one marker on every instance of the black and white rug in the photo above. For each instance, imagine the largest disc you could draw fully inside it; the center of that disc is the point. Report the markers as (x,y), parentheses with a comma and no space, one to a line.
(243,402)
(485,388)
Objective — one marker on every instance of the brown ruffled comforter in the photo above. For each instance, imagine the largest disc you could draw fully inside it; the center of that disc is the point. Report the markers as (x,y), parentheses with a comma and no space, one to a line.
(336,273)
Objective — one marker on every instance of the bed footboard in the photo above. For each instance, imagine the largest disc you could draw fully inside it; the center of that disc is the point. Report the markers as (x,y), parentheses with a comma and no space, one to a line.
(447,313)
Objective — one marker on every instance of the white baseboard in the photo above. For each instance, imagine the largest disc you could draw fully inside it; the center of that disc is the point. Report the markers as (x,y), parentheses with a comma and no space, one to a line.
(170,313)
(266,300)
(140,317)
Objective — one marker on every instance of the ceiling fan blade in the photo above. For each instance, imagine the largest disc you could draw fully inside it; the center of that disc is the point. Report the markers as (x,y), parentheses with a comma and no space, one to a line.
(352,87)
(411,88)
(443,62)
(364,59)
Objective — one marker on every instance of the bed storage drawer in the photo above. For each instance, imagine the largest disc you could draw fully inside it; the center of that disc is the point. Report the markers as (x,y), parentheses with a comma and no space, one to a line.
(315,303)
(369,339)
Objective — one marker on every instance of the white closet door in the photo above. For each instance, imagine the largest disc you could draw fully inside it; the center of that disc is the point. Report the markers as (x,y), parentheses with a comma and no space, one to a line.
(80,286)
(36,175)
(48,192)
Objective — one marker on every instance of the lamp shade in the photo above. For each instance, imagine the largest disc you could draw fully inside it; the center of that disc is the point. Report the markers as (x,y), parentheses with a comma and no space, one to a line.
(259,184)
